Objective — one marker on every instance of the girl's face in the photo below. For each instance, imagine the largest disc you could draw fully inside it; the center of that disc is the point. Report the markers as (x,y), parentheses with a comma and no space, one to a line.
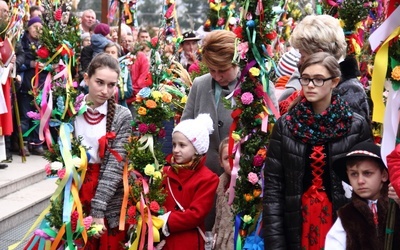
(224,77)
(182,149)
(101,86)
(224,160)
(113,51)
(320,97)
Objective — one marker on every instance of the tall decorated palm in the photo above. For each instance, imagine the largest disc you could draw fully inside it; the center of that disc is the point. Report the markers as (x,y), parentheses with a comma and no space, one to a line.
(253,116)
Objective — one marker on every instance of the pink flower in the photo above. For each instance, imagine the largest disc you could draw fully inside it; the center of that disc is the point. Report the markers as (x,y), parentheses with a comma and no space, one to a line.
(152,128)
(61,173)
(33,115)
(154,207)
(221,22)
(258,160)
(252,178)
(247,98)
(87,222)
(143,128)
(47,169)
(242,49)
(132,211)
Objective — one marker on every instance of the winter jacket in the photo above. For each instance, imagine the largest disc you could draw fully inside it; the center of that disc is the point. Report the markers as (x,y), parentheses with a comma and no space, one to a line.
(287,165)
(195,191)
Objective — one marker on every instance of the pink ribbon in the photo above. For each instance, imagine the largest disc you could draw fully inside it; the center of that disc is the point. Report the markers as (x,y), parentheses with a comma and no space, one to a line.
(45,111)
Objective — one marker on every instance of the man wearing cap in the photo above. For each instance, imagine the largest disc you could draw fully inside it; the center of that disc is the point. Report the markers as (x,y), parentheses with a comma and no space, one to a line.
(189,47)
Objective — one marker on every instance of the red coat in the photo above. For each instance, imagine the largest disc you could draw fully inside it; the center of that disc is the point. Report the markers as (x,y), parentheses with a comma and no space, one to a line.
(195,191)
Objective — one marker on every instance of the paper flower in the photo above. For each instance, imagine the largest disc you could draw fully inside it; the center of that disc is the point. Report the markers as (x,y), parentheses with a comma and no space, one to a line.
(144,92)
(252,178)
(157,175)
(247,218)
(142,111)
(247,98)
(396,73)
(156,95)
(258,160)
(143,128)
(151,104)
(149,170)
(154,207)
(254,71)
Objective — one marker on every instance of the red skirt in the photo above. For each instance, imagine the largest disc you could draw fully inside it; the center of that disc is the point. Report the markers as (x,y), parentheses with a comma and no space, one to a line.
(317,219)
(113,239)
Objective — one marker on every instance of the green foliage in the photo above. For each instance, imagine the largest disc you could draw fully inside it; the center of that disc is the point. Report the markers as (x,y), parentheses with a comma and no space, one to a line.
(352,12)
(55,217)
(55,154)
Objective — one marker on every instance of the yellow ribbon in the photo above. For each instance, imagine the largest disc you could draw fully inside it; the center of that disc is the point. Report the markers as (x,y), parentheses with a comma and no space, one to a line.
(378,77)
(156,222)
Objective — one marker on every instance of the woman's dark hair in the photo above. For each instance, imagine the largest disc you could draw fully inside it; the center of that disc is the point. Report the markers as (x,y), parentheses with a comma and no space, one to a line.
(103,60)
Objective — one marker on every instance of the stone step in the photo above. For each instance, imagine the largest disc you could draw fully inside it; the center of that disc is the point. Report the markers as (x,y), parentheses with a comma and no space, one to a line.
(20,174)
(26,203)
(24,191)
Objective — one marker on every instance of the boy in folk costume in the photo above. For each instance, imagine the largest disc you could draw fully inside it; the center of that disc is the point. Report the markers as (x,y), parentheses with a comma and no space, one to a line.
(361,224)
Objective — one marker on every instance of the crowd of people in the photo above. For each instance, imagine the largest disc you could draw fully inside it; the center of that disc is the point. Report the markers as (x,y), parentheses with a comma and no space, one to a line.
(325,185)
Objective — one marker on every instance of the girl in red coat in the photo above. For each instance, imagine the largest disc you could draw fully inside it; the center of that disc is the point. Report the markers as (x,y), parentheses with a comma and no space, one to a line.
(190,185)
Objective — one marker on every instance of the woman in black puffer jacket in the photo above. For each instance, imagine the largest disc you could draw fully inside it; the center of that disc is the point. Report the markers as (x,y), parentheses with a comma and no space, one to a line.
(301,191)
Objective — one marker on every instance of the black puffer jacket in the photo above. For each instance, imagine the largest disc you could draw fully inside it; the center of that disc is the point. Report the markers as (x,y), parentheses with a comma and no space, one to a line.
(286,171)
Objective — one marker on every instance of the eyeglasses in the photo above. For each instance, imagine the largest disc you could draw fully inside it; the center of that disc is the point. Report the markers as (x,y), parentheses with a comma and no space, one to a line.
(318,82)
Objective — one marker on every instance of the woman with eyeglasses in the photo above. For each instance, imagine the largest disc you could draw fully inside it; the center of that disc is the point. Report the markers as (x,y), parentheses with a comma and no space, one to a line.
(301,191)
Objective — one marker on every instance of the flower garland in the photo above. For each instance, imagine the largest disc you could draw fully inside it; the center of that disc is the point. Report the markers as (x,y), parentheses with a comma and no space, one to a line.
(253,116)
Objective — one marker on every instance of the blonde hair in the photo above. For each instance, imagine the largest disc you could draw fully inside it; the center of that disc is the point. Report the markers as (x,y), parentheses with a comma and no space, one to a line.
(322,32)
(218,49)
(224,143)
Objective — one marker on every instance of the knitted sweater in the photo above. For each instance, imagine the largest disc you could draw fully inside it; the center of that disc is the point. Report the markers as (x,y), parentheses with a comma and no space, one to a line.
(108,198)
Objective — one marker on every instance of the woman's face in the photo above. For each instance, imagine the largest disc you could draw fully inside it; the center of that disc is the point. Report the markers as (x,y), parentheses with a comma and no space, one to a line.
(101,86)
(35,30)
(113,51)
(224,77)
(320,97)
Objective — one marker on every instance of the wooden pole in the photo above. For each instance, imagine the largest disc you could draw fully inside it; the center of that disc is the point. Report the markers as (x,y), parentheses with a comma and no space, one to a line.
(104,11)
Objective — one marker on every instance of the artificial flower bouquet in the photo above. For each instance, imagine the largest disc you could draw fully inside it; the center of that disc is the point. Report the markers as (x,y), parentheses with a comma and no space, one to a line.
(146,159)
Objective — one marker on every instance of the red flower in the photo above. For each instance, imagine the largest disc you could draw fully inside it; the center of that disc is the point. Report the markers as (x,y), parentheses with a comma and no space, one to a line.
(74,220)
(65,50)
(58,15)
(43,52)
(154,207)
(148,80)
(152,128)
(161,133)
(238,31)
(258,160)
(271,35)
(154,41)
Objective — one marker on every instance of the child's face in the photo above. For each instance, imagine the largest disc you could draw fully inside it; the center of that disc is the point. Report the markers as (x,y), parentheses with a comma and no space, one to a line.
(182,149)
(224,160)
(101,85)
(366,178)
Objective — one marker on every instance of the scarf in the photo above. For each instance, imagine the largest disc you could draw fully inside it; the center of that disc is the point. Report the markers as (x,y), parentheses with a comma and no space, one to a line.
(189,165)
(317,129)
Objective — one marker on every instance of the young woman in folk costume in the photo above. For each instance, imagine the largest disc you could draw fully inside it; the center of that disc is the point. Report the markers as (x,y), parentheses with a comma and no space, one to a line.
(301,192)
(105,128)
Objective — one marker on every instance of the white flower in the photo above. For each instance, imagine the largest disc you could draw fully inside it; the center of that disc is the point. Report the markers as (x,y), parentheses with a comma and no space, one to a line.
(77,162)
(56,165)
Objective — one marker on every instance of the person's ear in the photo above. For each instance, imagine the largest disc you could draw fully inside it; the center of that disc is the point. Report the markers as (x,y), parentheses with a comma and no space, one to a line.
(335,82)
(86,78)
(385,175)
